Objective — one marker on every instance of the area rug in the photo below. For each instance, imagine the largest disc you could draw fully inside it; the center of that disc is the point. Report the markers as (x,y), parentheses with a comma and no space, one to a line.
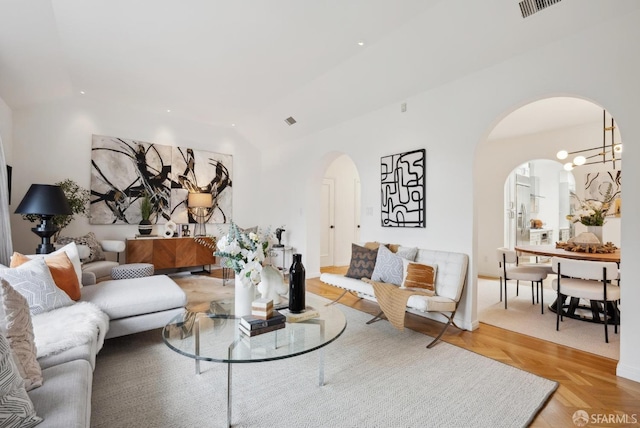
(523,317)
(375,376)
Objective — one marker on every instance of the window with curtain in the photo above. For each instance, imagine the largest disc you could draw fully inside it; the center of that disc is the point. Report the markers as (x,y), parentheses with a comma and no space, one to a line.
(6,246)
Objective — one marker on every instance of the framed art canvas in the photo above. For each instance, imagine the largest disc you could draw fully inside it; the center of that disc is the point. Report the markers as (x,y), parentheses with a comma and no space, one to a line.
(402,178)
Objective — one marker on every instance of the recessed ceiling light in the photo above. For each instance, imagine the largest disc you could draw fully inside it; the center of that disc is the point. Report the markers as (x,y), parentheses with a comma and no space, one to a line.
(360,43)
(233,124)
(168,111)
(81,92)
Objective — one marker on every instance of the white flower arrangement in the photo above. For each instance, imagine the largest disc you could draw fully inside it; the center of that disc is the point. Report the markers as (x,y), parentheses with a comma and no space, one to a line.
(245,252)
(591,211)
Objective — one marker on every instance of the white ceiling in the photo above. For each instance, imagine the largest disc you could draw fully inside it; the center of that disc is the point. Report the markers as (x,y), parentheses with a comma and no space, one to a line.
(254,63)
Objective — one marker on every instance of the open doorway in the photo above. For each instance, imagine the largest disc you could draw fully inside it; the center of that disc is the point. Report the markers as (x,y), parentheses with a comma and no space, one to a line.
(340,212)
(518,145)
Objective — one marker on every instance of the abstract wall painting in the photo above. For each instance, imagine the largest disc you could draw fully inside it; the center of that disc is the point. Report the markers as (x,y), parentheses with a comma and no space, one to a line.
(403,189)
(200,171)
(602,185)
(122,170)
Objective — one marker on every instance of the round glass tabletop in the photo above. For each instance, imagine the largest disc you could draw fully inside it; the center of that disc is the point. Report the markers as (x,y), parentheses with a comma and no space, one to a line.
(216,336)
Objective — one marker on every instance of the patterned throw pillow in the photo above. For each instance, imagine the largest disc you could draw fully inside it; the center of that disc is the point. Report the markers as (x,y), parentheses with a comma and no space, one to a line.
(17,409)
(419,275)
(363,261)
(90,240)
(389,265)
(34,281)
(61,270)
(19,330)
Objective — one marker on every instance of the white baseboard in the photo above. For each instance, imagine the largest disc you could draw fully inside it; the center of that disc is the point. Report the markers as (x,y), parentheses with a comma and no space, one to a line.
(628,372)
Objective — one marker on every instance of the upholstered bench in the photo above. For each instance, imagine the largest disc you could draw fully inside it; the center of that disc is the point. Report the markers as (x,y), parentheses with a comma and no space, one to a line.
(132,270)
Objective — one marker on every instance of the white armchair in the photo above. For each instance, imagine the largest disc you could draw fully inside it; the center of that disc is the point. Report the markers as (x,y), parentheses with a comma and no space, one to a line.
(95,271)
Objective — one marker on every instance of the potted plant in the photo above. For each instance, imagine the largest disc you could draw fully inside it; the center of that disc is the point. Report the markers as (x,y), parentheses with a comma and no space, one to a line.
(78,198)
(146,209)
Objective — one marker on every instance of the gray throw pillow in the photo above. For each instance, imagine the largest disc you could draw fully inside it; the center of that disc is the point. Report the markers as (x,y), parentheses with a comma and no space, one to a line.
(17,409)
(389,265)
(363,261)
(34,281)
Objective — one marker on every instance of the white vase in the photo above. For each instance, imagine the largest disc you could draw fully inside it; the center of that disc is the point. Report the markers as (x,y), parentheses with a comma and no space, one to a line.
(596,230)
(244,296)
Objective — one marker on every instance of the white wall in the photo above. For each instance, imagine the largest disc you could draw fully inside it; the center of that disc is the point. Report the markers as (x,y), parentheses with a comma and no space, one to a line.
(344,174)
(52,142)
(452,122)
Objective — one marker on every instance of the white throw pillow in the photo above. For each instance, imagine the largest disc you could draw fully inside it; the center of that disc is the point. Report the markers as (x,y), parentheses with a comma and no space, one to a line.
(17,410)
(19,331)
(72,252)
(34,281)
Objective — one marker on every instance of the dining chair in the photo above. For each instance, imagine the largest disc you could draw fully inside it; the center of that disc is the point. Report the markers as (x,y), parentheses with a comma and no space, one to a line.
(508,263)
(587,280)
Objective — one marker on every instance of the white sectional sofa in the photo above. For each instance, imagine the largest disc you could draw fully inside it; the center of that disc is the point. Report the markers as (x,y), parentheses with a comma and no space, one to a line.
(132,305)
(68,339)
(450,280)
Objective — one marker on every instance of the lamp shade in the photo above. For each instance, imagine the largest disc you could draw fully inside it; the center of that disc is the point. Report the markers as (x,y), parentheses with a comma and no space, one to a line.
(44,199)
(200,200)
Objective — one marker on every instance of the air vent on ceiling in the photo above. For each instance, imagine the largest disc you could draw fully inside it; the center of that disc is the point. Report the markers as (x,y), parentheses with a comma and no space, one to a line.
(529,7)
(290,121)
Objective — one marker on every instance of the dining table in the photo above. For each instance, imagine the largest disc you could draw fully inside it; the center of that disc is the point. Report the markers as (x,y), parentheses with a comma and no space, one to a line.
(592,313)
(552,251)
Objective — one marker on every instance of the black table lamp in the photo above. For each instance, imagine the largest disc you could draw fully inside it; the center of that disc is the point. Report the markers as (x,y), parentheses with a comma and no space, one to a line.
(45,201)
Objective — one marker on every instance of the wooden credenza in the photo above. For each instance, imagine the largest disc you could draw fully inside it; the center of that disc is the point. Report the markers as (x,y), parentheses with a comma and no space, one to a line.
(169,253)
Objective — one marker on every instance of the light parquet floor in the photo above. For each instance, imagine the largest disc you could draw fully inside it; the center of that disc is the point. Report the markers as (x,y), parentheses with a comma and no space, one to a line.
(586,381)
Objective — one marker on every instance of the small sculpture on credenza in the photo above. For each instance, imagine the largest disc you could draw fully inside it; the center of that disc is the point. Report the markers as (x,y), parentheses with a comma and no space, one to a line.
(279,237)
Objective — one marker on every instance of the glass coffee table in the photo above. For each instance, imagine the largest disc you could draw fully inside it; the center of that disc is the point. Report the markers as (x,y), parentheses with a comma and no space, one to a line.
(215,336)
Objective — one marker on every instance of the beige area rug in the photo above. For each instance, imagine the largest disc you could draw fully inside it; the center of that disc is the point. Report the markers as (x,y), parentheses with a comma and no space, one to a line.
(375,376)
(523,317)
(202,289)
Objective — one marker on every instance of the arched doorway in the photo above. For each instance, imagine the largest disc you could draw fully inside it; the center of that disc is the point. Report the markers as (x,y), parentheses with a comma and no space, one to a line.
(535,131)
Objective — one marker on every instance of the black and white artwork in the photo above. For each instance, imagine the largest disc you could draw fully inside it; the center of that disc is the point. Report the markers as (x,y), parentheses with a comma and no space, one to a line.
(200,172)
(605,186)
(123,170)
(402,179)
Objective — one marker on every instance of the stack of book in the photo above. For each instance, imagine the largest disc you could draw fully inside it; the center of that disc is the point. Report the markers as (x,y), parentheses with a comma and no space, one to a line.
(262,308)
(252,326)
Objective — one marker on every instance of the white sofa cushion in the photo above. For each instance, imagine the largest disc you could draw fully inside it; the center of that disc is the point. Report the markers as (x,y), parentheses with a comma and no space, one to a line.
(137,296)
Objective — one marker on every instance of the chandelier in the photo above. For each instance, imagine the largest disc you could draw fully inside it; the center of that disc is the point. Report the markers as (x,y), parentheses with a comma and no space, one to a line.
(607,152)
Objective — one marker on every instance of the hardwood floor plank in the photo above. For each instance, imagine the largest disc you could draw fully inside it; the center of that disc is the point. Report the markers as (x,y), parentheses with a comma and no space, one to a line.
(586,381)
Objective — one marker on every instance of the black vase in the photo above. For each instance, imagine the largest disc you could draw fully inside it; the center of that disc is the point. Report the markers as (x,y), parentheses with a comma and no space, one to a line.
(144,227)
(296,285)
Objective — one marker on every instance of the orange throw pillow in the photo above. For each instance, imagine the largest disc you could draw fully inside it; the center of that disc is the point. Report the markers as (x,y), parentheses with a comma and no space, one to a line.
(61,270)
